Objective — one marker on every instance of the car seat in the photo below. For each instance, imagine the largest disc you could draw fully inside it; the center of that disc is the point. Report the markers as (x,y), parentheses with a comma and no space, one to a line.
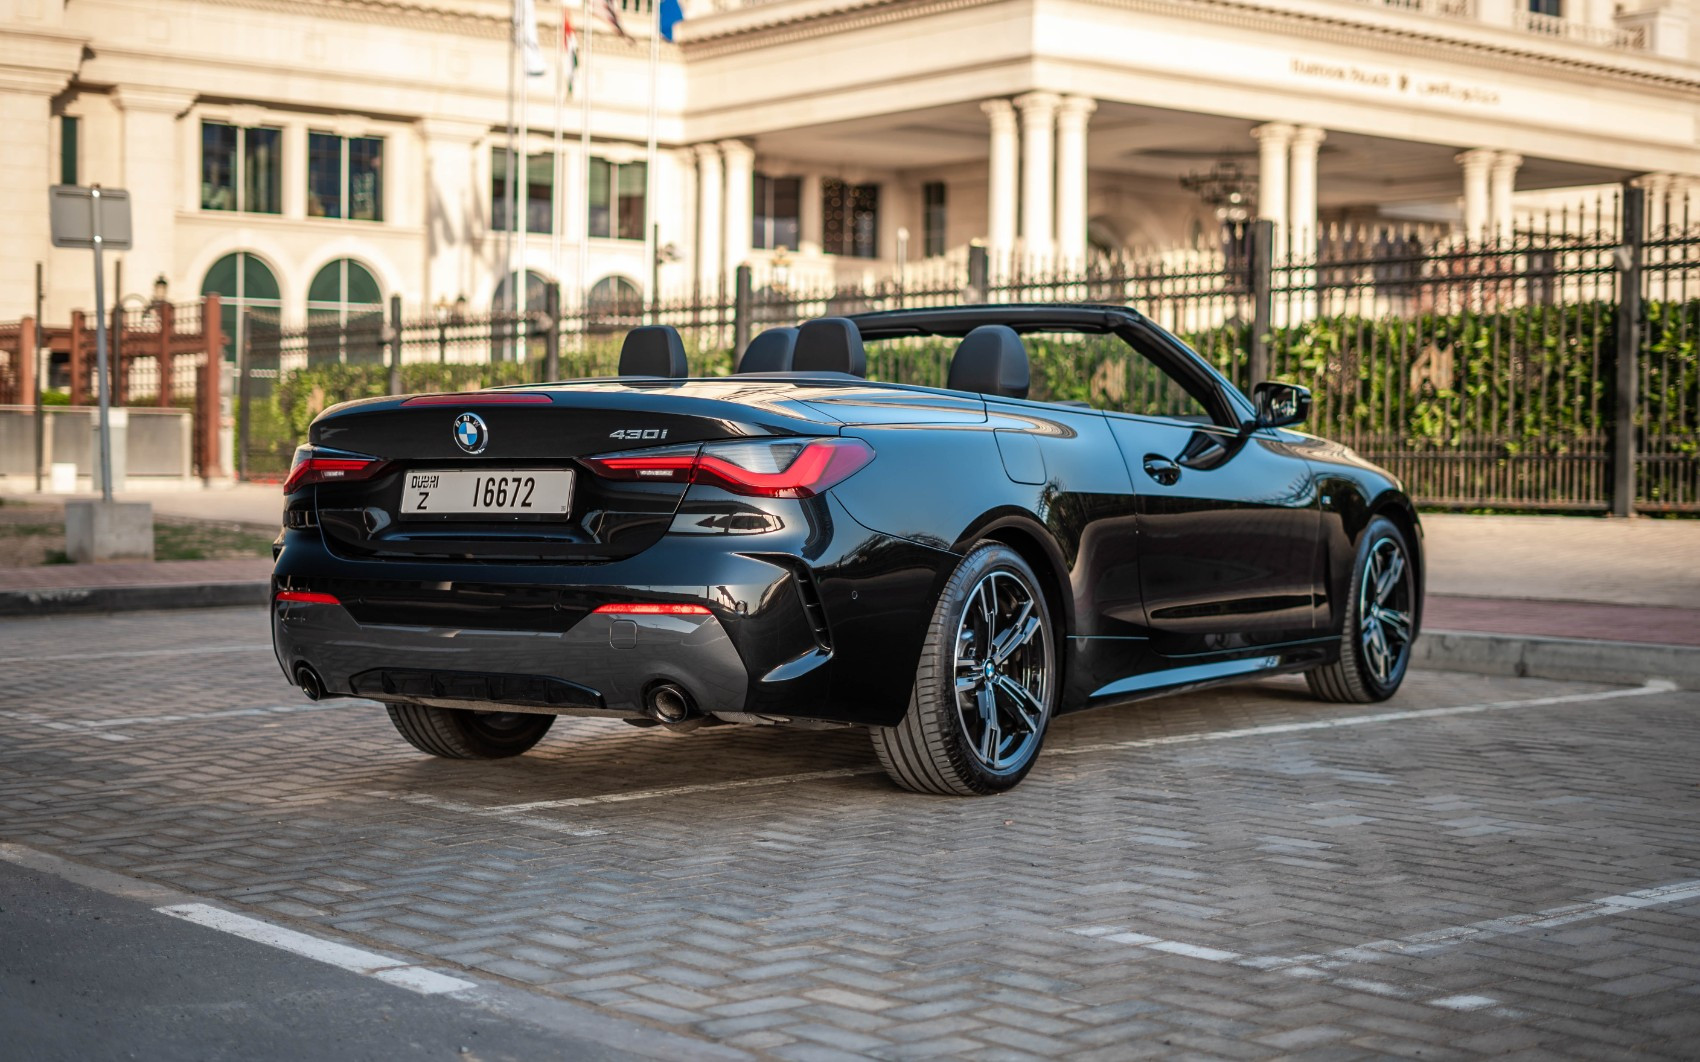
(830,344)
(653,350)
(990,360)
(772,351)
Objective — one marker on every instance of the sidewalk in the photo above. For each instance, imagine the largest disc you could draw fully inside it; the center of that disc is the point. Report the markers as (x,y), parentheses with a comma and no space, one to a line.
(1559,597)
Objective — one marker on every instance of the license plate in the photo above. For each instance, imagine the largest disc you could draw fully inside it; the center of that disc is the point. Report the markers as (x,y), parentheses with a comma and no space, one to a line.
(513,491)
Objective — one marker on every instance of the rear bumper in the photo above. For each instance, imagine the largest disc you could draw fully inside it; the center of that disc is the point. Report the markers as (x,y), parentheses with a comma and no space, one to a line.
(605,664)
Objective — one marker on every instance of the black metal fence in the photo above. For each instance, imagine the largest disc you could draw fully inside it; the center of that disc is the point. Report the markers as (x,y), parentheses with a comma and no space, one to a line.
(1492,374)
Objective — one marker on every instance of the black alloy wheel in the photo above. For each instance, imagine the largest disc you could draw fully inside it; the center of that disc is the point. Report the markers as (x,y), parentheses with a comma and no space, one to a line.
(986,685)
(1380,622)
(463,734)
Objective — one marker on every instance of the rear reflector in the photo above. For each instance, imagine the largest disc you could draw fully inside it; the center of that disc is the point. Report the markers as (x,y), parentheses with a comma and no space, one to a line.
(656,610)
(303,597)
(781,468)
(479,398)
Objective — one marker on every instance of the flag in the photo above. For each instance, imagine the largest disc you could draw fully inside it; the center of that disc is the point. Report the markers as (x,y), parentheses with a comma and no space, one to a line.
(612,14)
(525,37)
(569,53)
(671,15)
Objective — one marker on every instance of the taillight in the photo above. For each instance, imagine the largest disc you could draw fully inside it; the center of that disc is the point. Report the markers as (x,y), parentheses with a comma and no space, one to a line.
(313,465)
(790,468)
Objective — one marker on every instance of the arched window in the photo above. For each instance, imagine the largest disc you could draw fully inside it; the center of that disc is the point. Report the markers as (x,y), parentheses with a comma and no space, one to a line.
(536,286)
(505,345)
(345,315)
(244,283)
(615,302)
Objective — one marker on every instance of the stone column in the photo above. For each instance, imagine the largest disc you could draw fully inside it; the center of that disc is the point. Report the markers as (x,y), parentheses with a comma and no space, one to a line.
(453,215)
(711,216)
(1038,196)
(1001,179)
(1502,184)
(148,120)
(295,176)
(1301,191)
(1476,166)
(1072,117)
(740,204)
(810,220)
(1273,141)
(26,164)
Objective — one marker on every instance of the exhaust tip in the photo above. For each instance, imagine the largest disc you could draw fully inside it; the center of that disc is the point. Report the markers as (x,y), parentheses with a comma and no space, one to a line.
(312,687)
(669,703)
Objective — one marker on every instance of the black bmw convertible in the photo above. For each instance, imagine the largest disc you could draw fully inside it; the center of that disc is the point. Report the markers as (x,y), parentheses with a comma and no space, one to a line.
(794,544)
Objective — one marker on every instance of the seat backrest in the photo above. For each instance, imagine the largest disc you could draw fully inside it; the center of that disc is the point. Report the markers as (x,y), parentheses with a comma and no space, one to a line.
(772,351)
(653,350)
(830,344)
(991,360)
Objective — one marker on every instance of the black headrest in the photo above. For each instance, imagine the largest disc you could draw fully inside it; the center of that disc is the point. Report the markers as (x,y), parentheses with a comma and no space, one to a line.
(830,344)
(771,351)
(653,350)
(990,360)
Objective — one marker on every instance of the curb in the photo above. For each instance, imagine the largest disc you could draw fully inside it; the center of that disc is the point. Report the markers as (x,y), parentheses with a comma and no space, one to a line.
(1576,659)
(58,600)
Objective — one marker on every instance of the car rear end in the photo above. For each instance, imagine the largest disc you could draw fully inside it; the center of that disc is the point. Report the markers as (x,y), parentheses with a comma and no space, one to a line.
(617,550)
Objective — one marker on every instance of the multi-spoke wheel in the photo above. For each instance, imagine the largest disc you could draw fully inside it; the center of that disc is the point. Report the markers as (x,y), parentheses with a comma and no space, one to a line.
(462,734)
(985,686)
(1380,622)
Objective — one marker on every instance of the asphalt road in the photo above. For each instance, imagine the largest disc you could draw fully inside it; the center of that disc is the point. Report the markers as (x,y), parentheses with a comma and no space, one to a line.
(1480,867)
(86,976)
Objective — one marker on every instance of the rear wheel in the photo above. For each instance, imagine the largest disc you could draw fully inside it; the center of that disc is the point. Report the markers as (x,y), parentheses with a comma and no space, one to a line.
(1380,623)
(985,686)
(462,734)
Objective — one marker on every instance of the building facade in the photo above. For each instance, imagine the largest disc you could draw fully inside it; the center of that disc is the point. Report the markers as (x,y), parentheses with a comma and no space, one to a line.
(314,158)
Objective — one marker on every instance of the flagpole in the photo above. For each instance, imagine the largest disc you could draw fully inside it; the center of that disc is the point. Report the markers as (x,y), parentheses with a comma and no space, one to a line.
(507,265)
(522,200)
(557,211)
(583,292)
(650,236)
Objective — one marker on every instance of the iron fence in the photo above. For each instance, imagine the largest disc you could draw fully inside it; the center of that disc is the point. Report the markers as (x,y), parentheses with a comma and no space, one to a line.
(1486,374)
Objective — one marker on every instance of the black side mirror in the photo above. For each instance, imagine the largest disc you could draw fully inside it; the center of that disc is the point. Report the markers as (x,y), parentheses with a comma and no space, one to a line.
(1280,404)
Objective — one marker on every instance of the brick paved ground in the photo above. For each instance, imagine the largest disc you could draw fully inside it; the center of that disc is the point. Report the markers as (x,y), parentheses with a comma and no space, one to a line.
(1519,881)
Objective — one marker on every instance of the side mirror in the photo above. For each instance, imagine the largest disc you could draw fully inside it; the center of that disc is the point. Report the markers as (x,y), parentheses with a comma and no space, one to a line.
(1279,404)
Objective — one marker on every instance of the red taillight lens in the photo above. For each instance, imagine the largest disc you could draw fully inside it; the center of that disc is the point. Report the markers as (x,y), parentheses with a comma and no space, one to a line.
(480,398)
(766,469)
(655,610)
(303,597)
(312,466)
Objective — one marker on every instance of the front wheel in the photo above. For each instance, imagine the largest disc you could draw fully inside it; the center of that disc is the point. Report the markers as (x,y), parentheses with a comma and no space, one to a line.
(985,687)
(1380,621)
(463,734)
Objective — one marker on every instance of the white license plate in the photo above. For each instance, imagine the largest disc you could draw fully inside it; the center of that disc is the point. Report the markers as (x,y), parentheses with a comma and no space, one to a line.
(497,490)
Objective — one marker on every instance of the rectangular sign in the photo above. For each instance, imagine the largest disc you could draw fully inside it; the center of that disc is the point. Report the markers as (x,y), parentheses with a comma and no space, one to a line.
(80,214)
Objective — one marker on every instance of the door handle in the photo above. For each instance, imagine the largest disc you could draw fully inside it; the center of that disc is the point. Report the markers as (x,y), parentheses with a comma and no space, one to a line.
(1162,469)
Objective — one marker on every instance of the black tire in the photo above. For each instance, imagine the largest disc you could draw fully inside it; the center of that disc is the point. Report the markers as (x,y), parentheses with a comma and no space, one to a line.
(943,744)
(1373,653)
(462,734)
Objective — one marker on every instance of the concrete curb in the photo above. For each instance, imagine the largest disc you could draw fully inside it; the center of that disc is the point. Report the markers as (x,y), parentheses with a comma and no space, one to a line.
(1577,659)
(57,600)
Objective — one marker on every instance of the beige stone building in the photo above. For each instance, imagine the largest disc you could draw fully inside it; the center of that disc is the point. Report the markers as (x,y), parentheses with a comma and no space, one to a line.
(316,157)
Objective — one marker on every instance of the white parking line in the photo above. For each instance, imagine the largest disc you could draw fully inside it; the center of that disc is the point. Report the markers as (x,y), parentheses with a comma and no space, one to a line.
(1322,966)
(514,812)
(203,651)
(357,960)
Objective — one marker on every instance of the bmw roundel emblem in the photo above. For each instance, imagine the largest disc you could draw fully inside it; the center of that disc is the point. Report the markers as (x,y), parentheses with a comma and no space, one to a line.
(471,433)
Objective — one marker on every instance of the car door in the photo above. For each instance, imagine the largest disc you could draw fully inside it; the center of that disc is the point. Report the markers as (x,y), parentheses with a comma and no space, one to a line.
(1227,516)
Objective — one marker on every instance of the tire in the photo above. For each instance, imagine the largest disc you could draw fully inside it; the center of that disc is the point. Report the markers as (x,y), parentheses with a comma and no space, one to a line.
(944,745)
(1380,621)
(462,734)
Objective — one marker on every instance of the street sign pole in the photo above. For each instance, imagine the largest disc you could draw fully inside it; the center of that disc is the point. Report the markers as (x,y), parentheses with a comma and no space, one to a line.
(40,376)
(100,359)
